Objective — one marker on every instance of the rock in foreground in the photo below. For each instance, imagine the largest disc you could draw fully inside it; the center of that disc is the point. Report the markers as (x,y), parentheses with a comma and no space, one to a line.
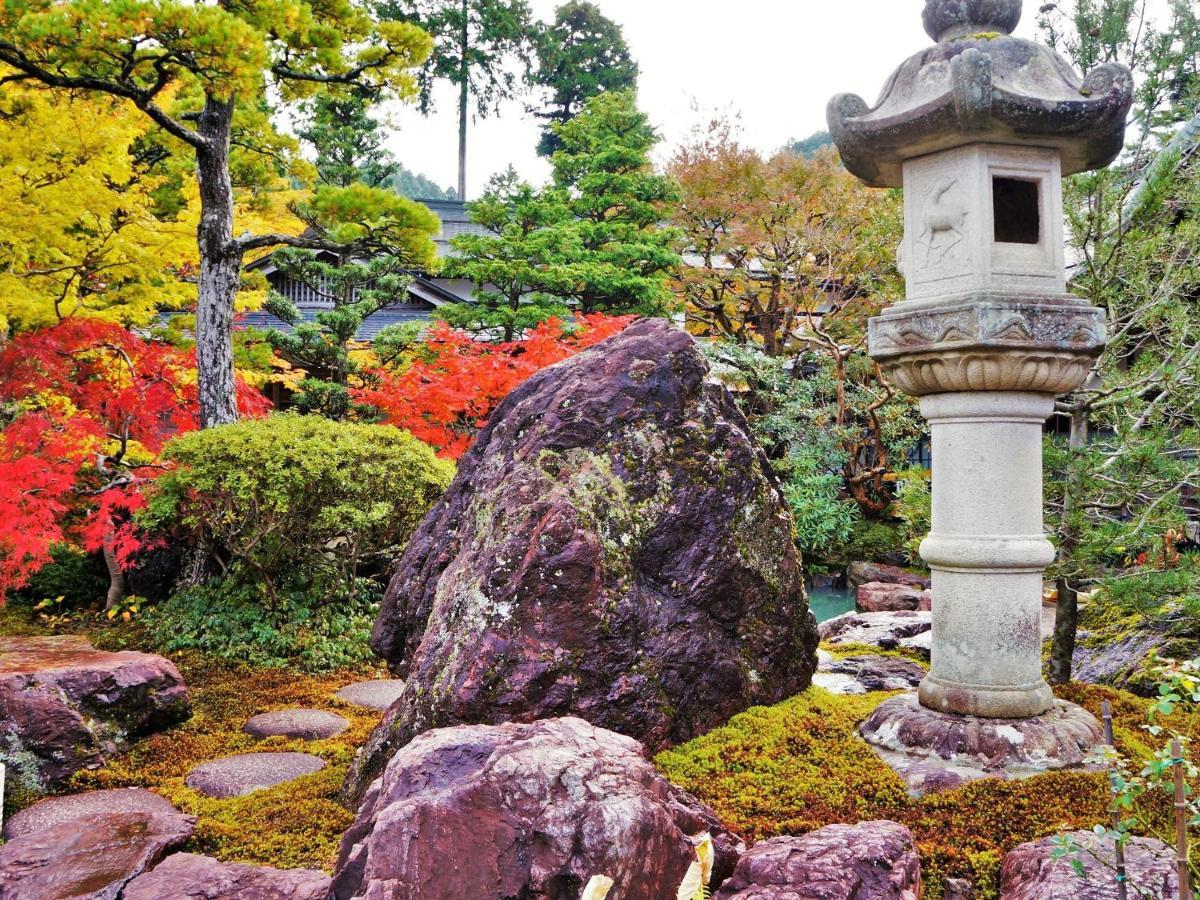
(55,810)
(530,811)
(614,546)
(868,861)
(903,630)
(65,706)
(1031,873)
(186,875)
(91,858)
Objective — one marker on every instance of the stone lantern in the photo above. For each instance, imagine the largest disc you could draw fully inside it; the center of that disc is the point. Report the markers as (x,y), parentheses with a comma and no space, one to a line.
(979,131)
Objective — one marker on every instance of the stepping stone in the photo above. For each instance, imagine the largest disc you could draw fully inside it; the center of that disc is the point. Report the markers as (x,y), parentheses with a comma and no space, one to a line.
(307,724)
(204,878)
(91,858)
(378,694)
(236,776)
(52,811)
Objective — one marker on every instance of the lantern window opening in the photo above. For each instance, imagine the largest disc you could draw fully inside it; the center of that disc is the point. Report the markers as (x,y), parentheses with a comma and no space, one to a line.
(1016,210)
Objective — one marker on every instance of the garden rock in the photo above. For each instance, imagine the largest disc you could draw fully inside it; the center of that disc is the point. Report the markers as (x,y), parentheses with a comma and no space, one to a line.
(55,810)
(91,857)
(868,861)
(935,751)
(860,573)
(304,724)
(522,810)
(614,546)
(863,674)
(236,776)
(879,596)
(902,630)
(379,693)
(65,706)
(186,875)
(1031,873)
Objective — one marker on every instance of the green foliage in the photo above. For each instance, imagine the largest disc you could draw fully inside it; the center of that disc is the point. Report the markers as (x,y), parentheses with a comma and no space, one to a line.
(581,54)
(591,241)
(475,45)
(519,266)
(792,407)
(239,622)
(622,255)
(873,541)
(79,578)
(402,240)
(408,183)
(295,511)
(347,139)
(809,146)
(914,507)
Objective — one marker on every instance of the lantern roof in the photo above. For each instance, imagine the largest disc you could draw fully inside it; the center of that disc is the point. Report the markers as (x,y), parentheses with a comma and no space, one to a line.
(979,84)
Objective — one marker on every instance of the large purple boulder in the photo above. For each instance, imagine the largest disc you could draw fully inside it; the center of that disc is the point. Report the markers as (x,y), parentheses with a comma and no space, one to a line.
(531,811)
(868,861)
(614,546)
(1032,871)
(92,857)
(65,706)
(187,875)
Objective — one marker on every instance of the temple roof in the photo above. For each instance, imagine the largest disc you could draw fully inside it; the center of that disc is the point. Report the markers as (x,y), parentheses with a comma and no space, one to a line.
(981,84)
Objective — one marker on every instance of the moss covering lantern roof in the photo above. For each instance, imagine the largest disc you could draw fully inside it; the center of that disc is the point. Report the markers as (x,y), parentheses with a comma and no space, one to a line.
(981,84)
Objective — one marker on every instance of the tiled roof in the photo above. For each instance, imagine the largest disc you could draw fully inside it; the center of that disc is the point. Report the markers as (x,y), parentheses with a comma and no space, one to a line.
(368,331)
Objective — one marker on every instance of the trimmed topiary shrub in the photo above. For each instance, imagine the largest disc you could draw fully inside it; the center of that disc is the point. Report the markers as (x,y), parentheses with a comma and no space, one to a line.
(299,515)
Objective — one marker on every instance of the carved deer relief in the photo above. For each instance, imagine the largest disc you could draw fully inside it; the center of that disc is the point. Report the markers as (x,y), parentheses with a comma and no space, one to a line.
(942,229)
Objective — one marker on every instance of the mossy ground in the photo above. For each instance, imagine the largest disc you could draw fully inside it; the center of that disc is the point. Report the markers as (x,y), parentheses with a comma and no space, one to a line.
(784,769)
(297,824)
(800,765)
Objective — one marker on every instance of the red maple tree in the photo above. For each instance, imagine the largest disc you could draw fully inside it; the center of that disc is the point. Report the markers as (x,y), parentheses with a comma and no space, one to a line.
(86,406)
(448,392)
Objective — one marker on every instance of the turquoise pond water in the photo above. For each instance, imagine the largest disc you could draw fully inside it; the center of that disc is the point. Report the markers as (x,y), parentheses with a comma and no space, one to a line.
(827,602)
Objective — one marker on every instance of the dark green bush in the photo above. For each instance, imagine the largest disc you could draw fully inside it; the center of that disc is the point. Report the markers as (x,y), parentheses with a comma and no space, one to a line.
(874,542)
(78,577)
(295,513)
(232,621)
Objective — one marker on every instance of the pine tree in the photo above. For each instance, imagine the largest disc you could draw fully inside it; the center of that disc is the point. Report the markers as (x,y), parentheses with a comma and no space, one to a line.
(478,46)
(581,54)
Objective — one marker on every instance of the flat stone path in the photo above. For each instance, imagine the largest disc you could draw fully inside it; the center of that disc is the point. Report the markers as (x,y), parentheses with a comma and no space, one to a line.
(54,810)
(306,724)
(377,694)
(236,776)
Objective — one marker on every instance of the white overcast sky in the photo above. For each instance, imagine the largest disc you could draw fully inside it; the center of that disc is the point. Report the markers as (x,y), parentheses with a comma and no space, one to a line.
(775,62)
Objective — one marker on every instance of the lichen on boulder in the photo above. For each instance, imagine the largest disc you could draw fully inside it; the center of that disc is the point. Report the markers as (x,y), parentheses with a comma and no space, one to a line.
(615,547)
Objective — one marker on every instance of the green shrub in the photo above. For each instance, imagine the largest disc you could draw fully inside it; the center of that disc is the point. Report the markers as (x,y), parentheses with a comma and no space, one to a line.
(293,511)
(78,577)
(233,621)
(873,541)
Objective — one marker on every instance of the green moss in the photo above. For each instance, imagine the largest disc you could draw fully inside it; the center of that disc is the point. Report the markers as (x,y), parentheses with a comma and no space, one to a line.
(295,824)
(800,765)
(841,651)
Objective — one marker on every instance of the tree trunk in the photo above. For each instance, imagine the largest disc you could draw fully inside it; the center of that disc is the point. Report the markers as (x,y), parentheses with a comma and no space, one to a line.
(116,578)
(1066,612)
(220,268)
(464,73)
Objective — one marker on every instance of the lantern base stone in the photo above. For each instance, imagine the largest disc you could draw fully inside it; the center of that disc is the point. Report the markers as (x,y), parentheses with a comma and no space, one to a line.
(935,751)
